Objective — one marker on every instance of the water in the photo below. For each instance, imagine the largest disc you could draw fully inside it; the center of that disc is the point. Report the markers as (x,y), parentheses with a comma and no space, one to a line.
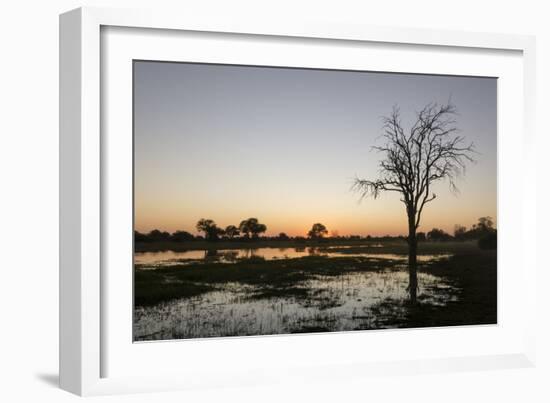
(152,260)
(350,301)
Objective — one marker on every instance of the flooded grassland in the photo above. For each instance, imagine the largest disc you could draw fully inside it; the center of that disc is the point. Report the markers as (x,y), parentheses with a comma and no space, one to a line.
(267,290)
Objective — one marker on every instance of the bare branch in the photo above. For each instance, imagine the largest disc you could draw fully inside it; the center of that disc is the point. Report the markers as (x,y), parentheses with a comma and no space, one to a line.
(431,151)
(373,188)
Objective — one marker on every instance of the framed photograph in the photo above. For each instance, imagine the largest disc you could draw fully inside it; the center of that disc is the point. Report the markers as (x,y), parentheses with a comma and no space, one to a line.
(247,202)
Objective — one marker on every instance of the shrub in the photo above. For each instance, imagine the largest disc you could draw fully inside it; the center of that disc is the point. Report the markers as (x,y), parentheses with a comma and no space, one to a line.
(488,241)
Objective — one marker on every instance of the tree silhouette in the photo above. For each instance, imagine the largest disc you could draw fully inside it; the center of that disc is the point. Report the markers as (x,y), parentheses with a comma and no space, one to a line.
(317,231)
(485,224)
(181,236)
(139,237)
(429,152)
(231,231)
(210,229)
(437,234)
(158,236)
(252,227)
(460,232)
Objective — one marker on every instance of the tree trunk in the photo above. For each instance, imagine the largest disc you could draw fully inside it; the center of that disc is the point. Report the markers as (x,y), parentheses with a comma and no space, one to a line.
(413,246)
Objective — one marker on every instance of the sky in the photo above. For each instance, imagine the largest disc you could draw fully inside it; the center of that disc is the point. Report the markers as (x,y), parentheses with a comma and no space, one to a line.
(284,145)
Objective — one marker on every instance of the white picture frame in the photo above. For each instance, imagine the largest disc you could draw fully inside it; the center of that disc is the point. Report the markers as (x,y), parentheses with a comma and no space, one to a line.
(85,344)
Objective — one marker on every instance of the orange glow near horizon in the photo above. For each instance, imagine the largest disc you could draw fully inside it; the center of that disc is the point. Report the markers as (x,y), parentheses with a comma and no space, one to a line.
(385,216)
(283,145)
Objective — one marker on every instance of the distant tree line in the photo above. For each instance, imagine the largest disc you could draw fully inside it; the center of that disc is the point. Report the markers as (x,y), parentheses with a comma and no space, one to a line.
(484,232)
(251,229)
(248,229)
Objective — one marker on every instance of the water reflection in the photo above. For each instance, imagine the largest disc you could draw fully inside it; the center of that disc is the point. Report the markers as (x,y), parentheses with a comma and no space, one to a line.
(350,301)
(168,258)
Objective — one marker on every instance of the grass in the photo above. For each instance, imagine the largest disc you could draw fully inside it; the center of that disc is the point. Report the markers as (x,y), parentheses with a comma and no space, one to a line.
(473,272)
(151,290)
(424,248)
(274,277)
(281,277)
(476,275)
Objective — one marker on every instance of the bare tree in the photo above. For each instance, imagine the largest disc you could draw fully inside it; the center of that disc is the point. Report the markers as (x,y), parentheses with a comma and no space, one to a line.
(430,151)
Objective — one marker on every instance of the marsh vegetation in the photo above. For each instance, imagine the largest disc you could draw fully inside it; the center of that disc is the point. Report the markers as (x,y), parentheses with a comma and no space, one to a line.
(237,292)
(264,180)
(233,281)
